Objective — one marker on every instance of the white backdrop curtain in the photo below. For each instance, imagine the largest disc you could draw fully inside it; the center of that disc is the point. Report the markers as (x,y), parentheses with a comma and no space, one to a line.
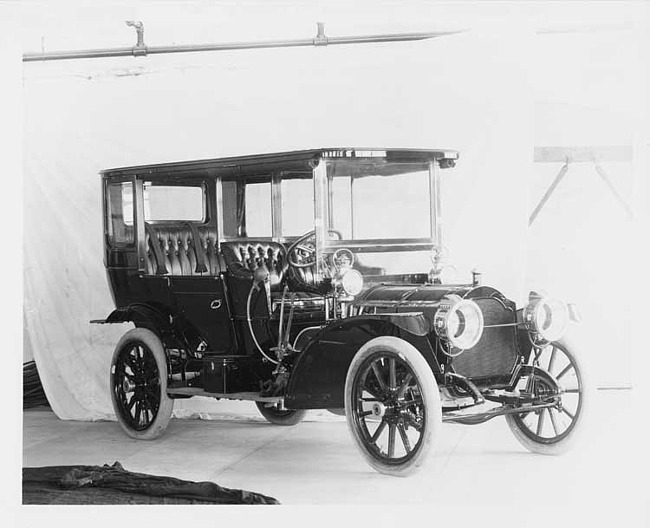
(467,92)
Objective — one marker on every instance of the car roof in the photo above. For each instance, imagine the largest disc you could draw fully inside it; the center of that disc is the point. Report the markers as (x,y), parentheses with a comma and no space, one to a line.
(293,160)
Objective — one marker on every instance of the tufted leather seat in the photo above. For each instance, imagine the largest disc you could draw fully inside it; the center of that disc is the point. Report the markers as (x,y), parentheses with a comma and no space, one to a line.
(178,252)
(242,258)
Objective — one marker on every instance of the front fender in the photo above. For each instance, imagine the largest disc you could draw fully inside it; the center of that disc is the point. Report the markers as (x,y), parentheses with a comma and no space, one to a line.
(318,376)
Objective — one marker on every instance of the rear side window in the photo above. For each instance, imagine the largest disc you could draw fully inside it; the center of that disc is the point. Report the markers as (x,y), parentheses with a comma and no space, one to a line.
(246,210)
(174,203)
(119,211)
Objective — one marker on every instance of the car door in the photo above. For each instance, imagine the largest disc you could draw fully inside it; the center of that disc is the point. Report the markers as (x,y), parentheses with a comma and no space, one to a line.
(201,301)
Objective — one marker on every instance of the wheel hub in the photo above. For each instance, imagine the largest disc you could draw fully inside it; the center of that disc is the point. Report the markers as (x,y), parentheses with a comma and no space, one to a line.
(128,385)
(378,409)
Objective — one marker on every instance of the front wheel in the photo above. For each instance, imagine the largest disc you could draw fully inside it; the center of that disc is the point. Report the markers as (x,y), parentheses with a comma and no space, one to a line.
(139,385)
(392,405)
(279,416)
(553,430)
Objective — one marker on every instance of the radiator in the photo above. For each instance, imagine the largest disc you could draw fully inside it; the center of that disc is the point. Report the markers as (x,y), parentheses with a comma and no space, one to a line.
(496,352)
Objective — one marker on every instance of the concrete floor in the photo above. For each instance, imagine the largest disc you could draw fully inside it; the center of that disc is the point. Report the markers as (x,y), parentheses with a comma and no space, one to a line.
(478,471)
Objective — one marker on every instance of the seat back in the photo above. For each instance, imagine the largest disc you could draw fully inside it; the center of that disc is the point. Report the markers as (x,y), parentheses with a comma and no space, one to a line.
(243,257)
(177,250)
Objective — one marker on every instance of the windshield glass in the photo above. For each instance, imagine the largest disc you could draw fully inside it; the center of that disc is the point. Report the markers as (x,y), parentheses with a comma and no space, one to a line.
(383,213)
(379,201)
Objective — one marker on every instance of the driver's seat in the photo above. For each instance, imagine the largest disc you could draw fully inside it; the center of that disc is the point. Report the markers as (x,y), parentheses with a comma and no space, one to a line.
(242,258)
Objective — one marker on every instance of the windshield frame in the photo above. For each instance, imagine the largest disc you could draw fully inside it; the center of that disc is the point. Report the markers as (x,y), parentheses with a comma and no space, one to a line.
(323,201)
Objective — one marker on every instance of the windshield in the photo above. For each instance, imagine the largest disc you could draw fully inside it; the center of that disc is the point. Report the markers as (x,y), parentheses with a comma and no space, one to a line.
(383,213)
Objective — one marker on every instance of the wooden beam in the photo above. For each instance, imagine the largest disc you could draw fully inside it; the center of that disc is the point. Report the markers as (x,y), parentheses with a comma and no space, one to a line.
(583,154)
(595,155)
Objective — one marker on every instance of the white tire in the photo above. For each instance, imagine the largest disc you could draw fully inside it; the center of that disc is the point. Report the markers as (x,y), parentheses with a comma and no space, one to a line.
(139,385)
(392,406)
(554,430)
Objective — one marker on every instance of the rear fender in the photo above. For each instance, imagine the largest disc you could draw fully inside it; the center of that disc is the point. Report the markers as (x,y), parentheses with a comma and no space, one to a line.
(150,317)
(318,377)
(139,312)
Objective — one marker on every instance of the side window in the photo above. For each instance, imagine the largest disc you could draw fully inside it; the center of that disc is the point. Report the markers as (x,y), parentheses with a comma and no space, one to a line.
(119,210)
(246,210)
(258,210)
(174,202)
(297,206)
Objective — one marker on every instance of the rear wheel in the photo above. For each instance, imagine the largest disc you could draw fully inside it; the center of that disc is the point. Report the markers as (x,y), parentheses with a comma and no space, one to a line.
(392,405)
(279,416)
(552,431)
(139,385)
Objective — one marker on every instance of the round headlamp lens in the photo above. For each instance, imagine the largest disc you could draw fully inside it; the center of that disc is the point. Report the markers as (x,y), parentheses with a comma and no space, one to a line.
(460,322)
(352,282)
(456,324)
(547,317)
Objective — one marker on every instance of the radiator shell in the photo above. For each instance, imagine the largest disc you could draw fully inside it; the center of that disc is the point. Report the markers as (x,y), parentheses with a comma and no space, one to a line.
(496,352)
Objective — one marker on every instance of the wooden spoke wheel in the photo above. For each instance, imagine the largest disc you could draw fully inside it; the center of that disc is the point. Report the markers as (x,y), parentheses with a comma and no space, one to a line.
(552,430)
(392,405)
(139,385)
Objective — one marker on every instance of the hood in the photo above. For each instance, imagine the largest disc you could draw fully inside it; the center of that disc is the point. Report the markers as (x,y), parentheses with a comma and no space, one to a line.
(420,301)
(400,296)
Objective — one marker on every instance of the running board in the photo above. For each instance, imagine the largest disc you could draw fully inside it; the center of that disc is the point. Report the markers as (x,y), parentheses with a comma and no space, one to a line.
(249,396)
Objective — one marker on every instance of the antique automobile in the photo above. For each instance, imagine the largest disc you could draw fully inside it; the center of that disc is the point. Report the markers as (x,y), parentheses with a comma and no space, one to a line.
(315,280)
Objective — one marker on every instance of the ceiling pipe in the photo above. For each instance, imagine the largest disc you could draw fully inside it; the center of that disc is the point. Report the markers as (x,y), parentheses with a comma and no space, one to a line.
(141,49)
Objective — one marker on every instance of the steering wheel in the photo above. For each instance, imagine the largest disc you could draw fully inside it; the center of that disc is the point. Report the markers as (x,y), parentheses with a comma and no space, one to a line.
(302,253)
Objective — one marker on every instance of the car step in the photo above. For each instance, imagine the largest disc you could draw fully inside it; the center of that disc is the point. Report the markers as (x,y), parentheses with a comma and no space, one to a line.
(249,396)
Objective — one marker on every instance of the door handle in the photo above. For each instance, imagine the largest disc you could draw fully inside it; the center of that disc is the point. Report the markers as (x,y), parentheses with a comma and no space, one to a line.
(216,304)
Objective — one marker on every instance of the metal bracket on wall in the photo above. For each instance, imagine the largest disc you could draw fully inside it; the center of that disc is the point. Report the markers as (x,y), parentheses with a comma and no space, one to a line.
(549,192)
(140,48)
(581,155)
(320,39)
(603,175)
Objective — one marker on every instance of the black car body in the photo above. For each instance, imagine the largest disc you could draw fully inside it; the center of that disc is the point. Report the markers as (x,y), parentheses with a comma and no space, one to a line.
(314,280)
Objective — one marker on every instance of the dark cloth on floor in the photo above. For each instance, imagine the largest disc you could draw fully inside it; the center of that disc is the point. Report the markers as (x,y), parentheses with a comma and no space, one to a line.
(82,485)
